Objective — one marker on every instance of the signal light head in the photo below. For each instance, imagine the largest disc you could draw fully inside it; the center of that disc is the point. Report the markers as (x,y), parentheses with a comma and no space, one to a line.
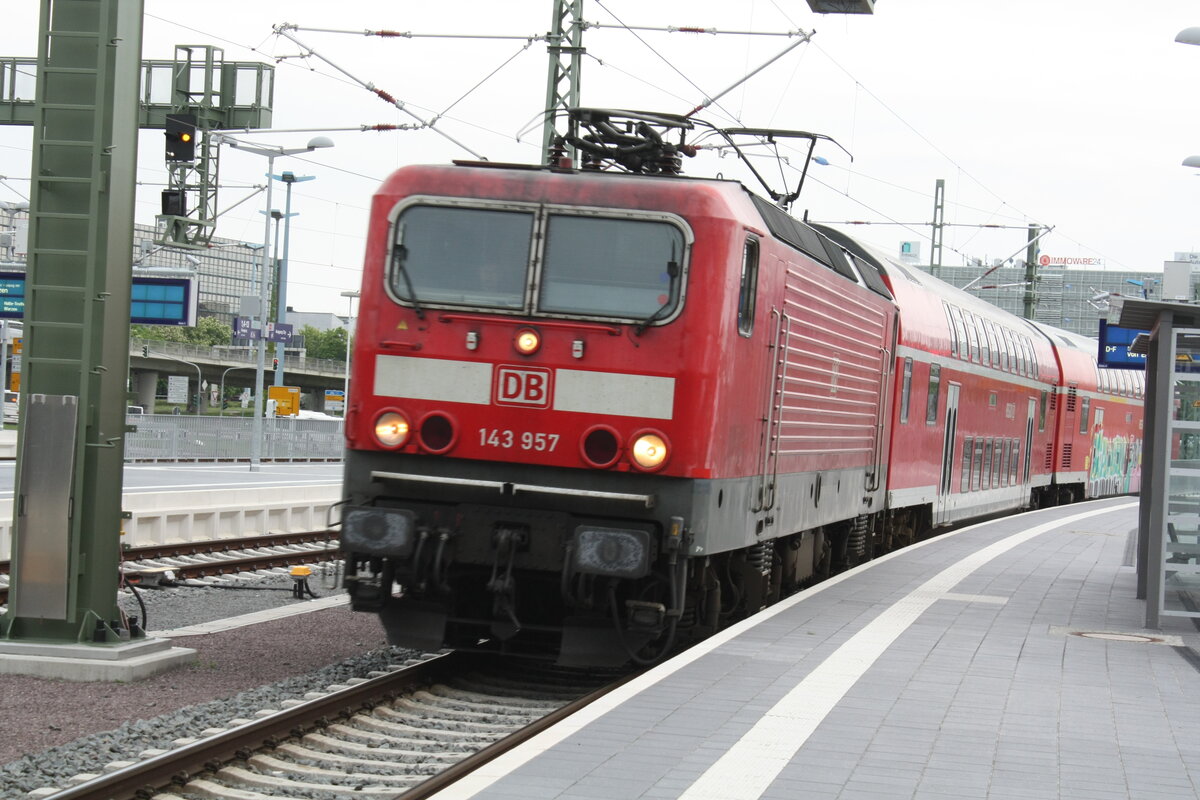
(527,341)
(391,429)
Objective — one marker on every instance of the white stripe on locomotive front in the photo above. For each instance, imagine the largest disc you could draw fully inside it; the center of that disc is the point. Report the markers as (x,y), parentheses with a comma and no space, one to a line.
(444,380)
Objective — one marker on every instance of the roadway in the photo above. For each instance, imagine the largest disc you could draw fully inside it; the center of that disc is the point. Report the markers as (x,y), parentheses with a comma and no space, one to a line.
(163,478)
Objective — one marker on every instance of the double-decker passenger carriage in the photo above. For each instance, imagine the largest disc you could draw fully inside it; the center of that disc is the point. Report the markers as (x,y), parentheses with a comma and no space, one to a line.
(595,411)
(1097,447)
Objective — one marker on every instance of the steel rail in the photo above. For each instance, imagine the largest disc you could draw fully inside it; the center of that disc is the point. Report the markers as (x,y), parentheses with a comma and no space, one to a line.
(461,769)
(228,565)
(178,766)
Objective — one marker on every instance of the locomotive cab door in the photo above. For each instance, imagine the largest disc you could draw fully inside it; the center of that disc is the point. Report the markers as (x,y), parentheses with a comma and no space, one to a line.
(941,513)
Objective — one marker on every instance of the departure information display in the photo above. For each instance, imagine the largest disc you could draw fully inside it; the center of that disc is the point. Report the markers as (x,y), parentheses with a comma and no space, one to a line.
(1114,347)
(153,301)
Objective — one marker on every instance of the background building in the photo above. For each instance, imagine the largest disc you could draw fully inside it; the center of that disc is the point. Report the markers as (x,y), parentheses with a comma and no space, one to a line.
(225,272)
(1070,297)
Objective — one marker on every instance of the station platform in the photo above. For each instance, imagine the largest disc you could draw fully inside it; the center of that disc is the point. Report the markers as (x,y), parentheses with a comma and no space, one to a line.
(1004,660)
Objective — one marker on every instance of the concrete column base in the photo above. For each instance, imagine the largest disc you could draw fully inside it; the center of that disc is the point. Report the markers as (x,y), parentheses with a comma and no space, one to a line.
(120,663)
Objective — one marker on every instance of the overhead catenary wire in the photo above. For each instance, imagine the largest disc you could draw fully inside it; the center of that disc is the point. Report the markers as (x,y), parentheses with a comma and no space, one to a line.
(665,60)
(283,30)
(710,100)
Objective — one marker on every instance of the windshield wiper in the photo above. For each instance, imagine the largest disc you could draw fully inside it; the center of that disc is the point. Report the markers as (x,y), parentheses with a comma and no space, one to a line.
(398,254)
(673,272)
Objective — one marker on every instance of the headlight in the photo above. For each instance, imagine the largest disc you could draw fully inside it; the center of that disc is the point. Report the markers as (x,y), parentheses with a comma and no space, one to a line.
(614,552)
(527,341)
(379,531)
(649,451)
(391,429)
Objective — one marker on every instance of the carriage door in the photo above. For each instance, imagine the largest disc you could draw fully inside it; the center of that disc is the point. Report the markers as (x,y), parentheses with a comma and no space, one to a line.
(942,511)
(1033,410)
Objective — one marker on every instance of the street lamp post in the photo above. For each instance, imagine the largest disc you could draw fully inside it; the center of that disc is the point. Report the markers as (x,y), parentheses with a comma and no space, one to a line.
(221,412)
(281,312)
(271,153)
(349,319)
(199,378)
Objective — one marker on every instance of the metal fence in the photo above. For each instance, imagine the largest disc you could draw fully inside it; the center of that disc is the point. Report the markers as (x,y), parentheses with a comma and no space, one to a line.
(183,437)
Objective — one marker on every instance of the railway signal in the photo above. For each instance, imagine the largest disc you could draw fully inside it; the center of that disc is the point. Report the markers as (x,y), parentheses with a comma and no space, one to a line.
(181,137)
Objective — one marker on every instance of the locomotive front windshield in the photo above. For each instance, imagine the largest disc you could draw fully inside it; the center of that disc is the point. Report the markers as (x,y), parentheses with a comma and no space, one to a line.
(536,261)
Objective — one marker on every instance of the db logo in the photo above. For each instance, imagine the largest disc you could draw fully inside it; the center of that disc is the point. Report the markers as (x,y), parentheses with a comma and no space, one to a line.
(523,386)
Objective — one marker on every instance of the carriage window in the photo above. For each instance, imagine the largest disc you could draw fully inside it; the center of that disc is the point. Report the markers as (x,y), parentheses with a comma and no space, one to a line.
(461,256)
(985,353)
(972,335)
(1005,461)
(977,465)
(1016,460)
(1042,412)
(952,329)
(997,461)
(935,384)
(960,333)
(611,267)
(992,340)
(1083,416)
(906,391)
(968,448)
(749,287)
(987,465)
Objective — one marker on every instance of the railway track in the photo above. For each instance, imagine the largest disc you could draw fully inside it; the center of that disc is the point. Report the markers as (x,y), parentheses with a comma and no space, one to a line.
(406,733)
(206,559)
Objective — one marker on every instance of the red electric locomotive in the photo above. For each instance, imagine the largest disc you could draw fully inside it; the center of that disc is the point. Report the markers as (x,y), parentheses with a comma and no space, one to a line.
(592,411)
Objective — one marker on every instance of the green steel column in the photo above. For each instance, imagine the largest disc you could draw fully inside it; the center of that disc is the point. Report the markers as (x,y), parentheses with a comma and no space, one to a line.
(566,57)
(939,226)
(77,322)
(1031,256)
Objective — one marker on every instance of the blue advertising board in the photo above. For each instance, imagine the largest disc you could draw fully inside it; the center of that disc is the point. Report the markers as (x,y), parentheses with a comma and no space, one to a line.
(1114,347)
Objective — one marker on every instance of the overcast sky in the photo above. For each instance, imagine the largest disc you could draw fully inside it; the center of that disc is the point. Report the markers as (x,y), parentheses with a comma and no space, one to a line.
(1069,113)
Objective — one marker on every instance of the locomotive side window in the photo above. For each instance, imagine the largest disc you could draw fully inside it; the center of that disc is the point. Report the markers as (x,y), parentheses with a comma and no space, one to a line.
(1042,412)
(904,395)
(749,287)
(1083,416)
(461,256)
(607,267)
(935,384)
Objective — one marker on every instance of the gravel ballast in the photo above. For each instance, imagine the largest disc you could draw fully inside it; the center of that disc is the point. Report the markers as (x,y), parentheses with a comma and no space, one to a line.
(56,729)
